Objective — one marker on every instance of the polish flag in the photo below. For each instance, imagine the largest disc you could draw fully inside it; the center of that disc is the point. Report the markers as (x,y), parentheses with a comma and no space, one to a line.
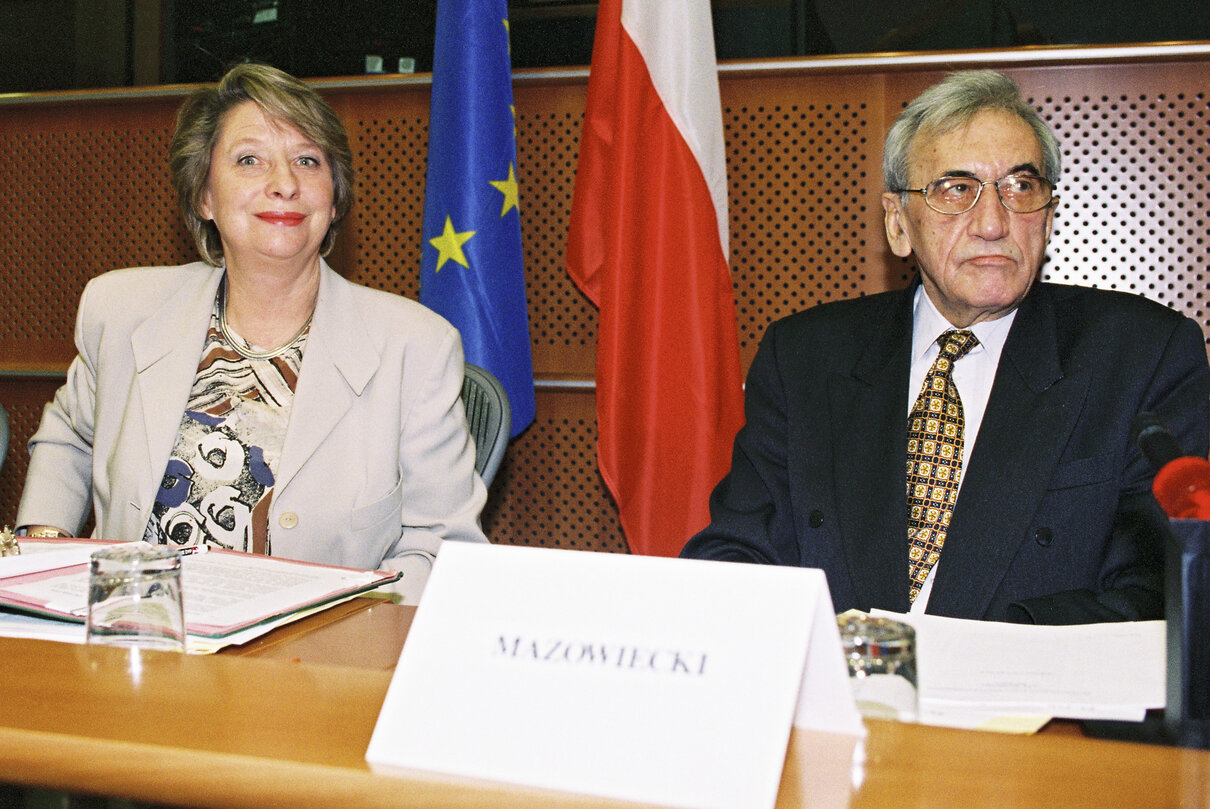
(648,244)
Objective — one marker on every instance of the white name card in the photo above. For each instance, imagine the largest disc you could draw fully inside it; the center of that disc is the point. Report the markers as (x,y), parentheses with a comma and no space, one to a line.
(655,680)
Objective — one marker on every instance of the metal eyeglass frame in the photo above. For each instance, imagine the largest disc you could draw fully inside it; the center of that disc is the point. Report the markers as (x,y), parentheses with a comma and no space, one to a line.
(924,192)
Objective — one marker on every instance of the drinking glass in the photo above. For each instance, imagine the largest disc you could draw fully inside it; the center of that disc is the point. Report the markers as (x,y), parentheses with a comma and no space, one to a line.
(881,654)
(134,597)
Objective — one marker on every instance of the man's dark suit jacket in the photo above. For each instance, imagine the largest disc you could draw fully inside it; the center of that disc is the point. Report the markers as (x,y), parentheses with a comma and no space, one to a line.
(1055,522)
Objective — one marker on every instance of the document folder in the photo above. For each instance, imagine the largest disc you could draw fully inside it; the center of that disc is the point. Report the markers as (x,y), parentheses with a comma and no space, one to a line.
(224,591)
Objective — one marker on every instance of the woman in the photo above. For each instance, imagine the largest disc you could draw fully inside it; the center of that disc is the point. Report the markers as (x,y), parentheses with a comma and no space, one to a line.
(257,400)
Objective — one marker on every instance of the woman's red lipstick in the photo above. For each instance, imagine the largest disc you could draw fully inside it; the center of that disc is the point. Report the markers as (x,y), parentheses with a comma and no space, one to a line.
(281,217)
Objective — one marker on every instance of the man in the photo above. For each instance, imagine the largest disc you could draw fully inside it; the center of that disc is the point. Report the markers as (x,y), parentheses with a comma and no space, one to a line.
(990,474)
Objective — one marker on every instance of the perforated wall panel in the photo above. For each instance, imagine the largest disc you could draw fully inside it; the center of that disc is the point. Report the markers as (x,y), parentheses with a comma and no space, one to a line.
(548,492)
(84,188)
(1134,213)
(803,161)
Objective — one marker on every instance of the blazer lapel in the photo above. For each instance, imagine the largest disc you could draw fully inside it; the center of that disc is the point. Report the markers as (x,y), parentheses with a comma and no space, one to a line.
(1033,406)
(869,418)
(339,360)
(166,348)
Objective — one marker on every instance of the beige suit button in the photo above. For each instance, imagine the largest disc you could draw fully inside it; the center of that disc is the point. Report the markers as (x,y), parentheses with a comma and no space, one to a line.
(288,519)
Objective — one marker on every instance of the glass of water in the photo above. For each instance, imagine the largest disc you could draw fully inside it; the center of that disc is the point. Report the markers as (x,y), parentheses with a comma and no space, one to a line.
(134,597)
(881,654)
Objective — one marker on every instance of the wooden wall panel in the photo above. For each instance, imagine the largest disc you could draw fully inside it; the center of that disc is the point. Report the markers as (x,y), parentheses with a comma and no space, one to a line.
(803,163)
(548,491)
(562,321)
(84,188)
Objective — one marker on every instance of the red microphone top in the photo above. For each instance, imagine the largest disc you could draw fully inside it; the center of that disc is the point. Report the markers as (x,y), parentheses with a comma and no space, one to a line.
(1182,488)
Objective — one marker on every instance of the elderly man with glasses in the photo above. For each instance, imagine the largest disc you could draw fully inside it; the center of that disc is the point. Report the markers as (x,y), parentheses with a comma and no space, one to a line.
(964,446)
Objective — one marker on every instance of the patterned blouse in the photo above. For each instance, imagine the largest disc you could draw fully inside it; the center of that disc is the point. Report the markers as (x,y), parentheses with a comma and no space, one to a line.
(219,481)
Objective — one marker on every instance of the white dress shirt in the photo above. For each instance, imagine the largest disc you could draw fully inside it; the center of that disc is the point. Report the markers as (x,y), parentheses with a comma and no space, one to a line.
(973,376)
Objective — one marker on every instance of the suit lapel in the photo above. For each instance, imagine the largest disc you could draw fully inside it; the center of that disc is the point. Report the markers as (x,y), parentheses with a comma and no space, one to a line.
(1033,406)
(166,348)
(339,360)
(869,418)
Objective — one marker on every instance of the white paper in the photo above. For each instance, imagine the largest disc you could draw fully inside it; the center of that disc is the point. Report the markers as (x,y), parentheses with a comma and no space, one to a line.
(973,671)
(40,557)
(664,681)
(34,627)
(219,589)
(223,589)
(223,592)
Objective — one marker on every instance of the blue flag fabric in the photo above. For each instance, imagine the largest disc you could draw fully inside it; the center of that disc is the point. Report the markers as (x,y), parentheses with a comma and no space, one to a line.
(471,269)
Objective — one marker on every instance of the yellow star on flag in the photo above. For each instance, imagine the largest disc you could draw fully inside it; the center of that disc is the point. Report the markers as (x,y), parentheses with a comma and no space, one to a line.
(449,245)
(509,189)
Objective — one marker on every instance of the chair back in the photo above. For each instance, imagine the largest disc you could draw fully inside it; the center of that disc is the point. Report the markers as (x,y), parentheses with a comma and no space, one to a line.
(489,418)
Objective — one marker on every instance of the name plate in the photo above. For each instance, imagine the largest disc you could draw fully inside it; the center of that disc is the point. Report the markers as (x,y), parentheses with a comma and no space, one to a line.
(667,681)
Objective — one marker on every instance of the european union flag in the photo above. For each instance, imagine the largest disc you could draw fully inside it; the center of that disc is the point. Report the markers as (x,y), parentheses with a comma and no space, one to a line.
(471,269)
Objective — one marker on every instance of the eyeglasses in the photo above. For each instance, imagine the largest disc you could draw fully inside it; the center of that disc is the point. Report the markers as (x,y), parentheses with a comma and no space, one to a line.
(1019,193)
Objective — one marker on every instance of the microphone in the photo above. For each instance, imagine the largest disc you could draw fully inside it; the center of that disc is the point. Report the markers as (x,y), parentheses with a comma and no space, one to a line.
(1182,482)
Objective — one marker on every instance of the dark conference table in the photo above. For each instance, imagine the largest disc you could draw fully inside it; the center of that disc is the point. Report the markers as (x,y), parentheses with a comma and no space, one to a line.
(285,721)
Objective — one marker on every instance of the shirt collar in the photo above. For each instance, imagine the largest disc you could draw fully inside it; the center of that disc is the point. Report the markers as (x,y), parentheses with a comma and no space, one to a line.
(928,324)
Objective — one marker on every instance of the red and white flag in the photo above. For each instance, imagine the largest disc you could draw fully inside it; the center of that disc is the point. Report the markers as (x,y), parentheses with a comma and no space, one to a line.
(648,245)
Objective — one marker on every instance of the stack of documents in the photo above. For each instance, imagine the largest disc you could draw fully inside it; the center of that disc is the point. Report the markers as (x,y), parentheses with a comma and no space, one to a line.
(1017,677)
(229,597)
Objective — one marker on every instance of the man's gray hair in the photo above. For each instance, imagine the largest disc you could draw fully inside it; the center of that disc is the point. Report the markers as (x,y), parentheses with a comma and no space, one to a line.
(953,102)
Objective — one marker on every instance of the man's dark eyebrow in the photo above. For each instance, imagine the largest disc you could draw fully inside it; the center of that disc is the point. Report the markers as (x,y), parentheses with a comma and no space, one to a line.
(1025,168)
(1021,168)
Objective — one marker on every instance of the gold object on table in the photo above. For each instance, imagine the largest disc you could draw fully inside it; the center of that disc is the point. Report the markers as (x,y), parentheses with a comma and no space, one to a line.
(8,543)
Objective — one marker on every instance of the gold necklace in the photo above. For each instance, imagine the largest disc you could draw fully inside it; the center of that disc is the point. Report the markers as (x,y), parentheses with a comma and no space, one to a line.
(240,345)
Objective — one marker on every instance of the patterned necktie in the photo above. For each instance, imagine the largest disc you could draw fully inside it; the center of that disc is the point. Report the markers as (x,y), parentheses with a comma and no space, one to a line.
(934,458)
